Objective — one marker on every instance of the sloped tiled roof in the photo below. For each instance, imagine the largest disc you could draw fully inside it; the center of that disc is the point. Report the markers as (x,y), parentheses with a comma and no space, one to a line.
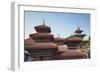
(59,39)
(42,46)
(73,54)
(29,41)
(41,35)
(73,39)
(42,28)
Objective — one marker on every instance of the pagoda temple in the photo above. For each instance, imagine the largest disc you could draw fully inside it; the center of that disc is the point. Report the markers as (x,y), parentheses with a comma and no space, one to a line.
(43,33)
(42,45)
(43,48)
(74,41)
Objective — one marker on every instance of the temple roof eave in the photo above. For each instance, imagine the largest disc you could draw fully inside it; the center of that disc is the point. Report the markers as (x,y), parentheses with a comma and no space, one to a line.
(43,28)
(42,46)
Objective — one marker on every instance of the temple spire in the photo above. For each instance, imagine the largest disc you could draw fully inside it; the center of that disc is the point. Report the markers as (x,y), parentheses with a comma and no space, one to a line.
(78,33)
(78,30)
(43,22)
(43,28)
(78,27)
(58,35)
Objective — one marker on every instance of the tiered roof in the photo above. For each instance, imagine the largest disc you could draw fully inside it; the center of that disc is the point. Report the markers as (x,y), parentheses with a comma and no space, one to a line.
(47,45)
(78,30)
(73,38)
(79,34)
(73,54)
(43,33)
(43,28)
